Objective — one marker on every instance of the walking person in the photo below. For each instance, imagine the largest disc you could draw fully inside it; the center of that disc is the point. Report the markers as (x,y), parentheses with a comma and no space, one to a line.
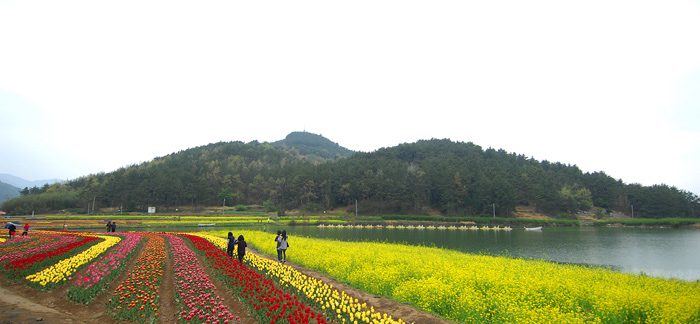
(12,229)
(26,229)
(241,245)
(109,226)
(114,226)
(231,244)
(284,244)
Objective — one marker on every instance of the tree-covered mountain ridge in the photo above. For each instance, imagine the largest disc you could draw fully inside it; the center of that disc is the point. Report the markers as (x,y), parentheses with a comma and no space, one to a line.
(309,172)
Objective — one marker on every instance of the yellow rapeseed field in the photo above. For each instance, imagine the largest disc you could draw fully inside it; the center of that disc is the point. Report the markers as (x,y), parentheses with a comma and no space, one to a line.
(472,288)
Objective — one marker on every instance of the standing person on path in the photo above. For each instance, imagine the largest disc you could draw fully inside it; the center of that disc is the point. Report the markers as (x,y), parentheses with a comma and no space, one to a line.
(114,226)
(278,240)
(284,245)
(231,244)
(109,226)
(241,248)
(26,229)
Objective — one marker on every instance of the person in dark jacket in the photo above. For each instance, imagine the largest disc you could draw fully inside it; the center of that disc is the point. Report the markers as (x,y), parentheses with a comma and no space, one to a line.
(109,226)
(278,240)
(241,248)
(12,229)
(114,226)
(231,244)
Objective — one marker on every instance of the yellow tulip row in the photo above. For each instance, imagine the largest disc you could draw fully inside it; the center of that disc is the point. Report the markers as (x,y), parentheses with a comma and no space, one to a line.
(334,303)
(65,268)
(476,288)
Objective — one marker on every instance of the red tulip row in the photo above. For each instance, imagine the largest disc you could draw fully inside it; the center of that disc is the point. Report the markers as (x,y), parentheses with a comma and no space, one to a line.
(268,303)
(91,281)
(194,291)
(136,299)
(20,268)
(25,246)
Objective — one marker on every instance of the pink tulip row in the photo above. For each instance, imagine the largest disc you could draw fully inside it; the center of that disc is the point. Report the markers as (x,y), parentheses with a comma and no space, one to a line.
(44,243)
(194,290)
(91,281)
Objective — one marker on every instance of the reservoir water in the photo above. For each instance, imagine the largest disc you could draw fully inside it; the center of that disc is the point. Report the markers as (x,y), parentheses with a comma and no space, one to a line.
(668,253)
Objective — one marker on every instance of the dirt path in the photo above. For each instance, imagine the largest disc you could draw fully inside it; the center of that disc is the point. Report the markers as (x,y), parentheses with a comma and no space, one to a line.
(18,309)
(166,291)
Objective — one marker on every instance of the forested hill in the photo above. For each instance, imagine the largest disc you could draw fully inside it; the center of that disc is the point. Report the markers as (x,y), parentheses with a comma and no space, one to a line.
(453,178)
(312,146)
(7,191)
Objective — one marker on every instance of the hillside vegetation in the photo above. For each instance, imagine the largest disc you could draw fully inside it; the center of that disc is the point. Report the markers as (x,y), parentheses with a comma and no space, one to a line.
(309,172)
(7,191)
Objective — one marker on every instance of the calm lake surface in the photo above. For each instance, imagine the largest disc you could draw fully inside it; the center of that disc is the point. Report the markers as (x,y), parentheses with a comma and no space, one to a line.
(669,253)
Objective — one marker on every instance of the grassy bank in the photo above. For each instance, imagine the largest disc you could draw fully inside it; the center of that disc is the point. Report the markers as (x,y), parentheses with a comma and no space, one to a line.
(663,222)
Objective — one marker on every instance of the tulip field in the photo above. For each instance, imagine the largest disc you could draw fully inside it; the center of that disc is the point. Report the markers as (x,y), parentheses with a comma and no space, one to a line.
(127,269)
(89,264)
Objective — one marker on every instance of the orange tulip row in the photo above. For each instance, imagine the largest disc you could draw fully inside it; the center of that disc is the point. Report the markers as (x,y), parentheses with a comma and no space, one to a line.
(136,299)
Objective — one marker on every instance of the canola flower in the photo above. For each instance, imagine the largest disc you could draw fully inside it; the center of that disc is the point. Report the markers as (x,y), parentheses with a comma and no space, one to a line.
(471,288)
(62,270)
(336,304)
(231,222)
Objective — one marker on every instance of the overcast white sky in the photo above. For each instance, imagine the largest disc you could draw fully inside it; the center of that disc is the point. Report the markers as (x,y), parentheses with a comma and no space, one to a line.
(614,86)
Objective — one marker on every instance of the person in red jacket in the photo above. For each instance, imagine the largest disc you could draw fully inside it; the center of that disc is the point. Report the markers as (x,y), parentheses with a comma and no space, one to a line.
(26,229)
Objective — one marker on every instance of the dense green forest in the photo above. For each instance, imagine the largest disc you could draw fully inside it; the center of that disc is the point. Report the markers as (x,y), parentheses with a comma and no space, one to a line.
(309,172)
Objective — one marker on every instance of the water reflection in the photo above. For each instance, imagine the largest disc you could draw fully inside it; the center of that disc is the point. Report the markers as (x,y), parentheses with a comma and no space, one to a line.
(670,253)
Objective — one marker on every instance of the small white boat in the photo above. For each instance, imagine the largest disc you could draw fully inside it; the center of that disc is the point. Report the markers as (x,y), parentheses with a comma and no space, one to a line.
(538,228)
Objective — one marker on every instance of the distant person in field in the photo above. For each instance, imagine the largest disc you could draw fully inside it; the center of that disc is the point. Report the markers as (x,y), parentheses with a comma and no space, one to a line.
(283,247)
(109,226)
(26,229)
(241,248)
(231,244)
(114,226)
